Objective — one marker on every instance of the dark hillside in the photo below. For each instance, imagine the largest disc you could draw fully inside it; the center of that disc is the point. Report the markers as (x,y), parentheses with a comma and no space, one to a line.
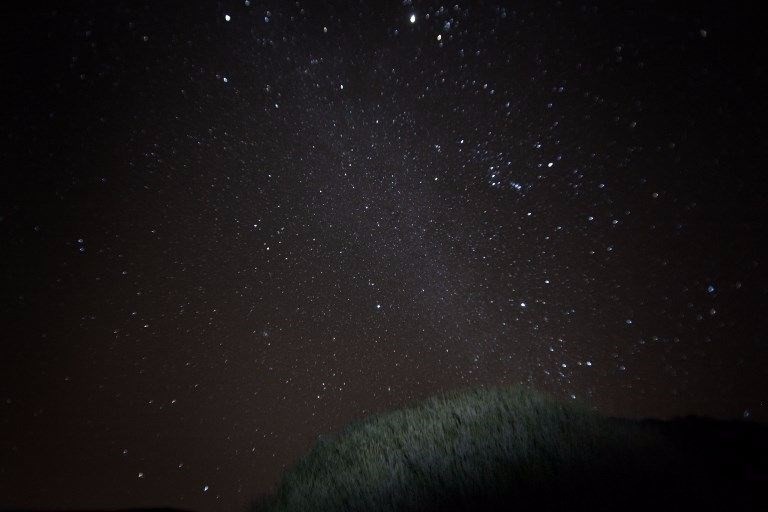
(512,449)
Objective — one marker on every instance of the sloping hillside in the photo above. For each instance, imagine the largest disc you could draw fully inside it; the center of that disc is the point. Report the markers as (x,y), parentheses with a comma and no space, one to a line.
(514,449)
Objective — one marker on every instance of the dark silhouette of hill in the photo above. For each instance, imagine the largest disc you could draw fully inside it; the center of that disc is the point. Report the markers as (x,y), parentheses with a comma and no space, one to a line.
(513,449)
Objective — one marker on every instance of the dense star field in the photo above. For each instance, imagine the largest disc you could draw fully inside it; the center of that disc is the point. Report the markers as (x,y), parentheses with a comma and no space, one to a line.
(230,227)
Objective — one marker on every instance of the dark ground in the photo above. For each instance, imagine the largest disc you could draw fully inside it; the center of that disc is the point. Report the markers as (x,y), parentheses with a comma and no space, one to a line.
(721,465)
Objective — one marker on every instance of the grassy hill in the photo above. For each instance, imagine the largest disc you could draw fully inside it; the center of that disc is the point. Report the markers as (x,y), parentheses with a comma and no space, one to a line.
(514,449)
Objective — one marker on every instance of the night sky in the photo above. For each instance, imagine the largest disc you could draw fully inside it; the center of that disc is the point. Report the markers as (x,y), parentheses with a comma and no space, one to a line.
(227,228)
